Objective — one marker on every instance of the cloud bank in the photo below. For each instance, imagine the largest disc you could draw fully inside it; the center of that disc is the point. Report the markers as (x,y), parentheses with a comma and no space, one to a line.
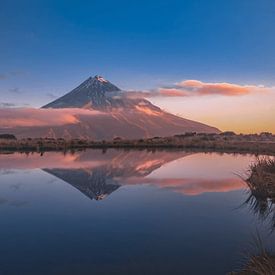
(188,88)
(25,117)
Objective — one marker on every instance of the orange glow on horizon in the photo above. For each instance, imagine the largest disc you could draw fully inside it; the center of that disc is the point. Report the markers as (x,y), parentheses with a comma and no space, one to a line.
(251,113)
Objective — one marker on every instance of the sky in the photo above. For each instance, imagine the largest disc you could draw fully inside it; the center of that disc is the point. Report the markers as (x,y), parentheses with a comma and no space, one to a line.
(49,47)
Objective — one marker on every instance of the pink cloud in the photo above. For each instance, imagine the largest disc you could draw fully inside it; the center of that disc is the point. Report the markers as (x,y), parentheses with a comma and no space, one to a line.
(223,88)
(172,92)
(24,117)
(198,88)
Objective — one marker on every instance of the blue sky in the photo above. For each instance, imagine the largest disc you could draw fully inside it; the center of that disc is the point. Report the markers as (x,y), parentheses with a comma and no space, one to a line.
(48,47)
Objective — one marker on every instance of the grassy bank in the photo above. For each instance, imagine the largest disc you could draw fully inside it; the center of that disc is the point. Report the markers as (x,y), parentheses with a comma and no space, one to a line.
(225,142)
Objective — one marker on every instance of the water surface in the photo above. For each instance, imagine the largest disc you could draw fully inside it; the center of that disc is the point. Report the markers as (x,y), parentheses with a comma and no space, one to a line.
(125,212)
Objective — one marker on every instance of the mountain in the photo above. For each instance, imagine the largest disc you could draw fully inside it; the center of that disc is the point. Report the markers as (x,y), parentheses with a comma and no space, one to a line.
(120,115)
(97,93)
(92,92)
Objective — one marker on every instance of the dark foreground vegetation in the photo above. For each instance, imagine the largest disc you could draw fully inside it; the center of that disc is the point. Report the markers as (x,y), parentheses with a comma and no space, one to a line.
(260,264)
(261,189)
(226,142)
(261,201)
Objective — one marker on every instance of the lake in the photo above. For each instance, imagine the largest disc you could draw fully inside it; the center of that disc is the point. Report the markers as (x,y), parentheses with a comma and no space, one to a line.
(126,212)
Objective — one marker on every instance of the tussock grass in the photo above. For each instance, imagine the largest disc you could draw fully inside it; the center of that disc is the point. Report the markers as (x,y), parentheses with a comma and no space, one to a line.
(261,183)
(260,263)
(261,200)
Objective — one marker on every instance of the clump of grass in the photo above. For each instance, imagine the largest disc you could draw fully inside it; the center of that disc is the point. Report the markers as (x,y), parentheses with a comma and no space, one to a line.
(261,183)
(261,199)
(262,177)
(260,263)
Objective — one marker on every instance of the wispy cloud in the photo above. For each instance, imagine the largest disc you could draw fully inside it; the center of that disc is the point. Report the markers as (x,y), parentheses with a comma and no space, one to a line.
(15,90)
(25,117)
(17,73)
(4,76)
(13,105)
(198,88)
(51,95)
(6,104)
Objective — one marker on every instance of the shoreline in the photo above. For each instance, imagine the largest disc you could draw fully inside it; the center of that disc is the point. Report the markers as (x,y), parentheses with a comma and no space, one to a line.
(243,144)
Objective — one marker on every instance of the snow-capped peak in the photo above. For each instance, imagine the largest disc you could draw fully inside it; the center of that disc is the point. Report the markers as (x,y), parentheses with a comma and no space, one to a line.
(101,79)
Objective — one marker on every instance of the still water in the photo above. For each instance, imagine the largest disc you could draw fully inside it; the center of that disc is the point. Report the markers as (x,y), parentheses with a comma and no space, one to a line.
(126,212)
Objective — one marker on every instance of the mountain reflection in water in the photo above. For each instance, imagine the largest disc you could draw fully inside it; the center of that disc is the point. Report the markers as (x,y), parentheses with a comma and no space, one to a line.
(97,174)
